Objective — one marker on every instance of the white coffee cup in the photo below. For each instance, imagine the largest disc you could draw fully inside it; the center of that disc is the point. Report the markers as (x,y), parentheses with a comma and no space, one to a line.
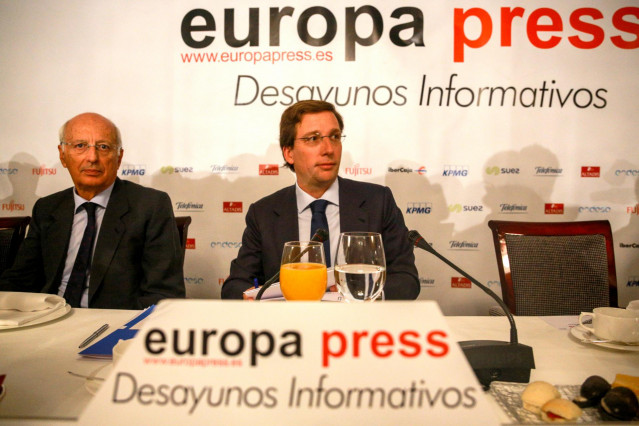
(620,325)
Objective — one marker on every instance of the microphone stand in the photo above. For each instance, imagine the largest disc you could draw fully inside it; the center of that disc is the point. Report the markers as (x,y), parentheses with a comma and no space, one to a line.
(490,359)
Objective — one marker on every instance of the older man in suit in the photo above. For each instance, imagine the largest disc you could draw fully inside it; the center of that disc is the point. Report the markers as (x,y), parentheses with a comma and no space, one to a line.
(104,243)
(311,143)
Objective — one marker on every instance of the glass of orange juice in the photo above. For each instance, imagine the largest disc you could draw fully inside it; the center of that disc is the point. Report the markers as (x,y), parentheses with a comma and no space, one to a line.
(303,270)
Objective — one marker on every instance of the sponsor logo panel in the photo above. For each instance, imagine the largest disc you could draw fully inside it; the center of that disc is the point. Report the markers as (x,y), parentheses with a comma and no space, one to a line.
(232,207)
(400,170)
(169,170)
(554,208)
(463,245)
(455,170)
(7,171)
(419,208)
(356,169)
(194,280)
(460,208)
(590,171)
(627,172)
(633,209)
(629,245)
(426,282)
(13,206)
(269,170)
(43,171)
(422,170)
(548,171)
(595,209)
(460,282)
(226,244)
(633,281)
(224,169)
(188,206)
(494,170)
(133,170)
(507,208)
(190,243)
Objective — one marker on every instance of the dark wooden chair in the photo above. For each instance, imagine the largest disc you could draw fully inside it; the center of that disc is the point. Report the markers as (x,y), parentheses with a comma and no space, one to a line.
(183,223)
(555,268)
(12,233)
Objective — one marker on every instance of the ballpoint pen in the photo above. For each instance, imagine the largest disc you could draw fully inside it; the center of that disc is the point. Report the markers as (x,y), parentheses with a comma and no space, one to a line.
(94,335)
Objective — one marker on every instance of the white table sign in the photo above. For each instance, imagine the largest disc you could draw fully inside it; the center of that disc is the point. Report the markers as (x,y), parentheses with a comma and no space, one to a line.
(221,362)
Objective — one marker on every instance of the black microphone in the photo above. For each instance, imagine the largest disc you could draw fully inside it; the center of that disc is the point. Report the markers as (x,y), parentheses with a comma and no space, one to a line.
(320,236)
(490,359)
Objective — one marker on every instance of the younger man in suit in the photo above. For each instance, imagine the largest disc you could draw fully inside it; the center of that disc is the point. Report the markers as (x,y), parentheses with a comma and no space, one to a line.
(105,243)
(311,143)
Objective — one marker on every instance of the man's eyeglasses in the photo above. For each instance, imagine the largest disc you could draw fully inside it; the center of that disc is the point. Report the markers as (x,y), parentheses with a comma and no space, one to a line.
(317,138)
(82,147)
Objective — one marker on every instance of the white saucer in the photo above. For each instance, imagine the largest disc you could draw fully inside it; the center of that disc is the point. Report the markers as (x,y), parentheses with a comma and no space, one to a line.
(581,334)
(58,313)
(93,386)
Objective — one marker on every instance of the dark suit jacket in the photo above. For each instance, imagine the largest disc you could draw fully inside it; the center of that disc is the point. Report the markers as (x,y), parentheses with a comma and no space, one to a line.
(137,259)
(272,221)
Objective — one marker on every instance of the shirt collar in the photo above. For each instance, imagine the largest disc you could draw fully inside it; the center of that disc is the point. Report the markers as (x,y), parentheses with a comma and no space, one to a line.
(102,199)
(304,200)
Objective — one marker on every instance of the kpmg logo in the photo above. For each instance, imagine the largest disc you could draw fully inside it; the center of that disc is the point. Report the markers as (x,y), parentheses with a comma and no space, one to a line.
(358,170)
(633,281)
(629,245)
(12,206)
(494,170)
(463,245)
(269,170)
(44,171)
(170,170)
(594,209)
(513,208)
(422,170)
(133,170)
(190,244)
(400,170)
(548,171)
(633,209)
(629,172)
(554,208)
(590,171)
(419,208)
(454,170)
(8,171)
(226,244)
(232,207)
(189,207)
(194,280)
(460,282)
(459,208)
(426,282)
(224,169)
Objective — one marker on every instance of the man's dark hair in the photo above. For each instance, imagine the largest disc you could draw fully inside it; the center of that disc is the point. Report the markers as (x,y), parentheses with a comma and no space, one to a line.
(292,116)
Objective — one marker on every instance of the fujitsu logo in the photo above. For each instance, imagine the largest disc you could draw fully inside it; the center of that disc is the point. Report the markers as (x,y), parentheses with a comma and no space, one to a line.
(357,170)
(232,207)
(42,170)
(12,205)
(590,171)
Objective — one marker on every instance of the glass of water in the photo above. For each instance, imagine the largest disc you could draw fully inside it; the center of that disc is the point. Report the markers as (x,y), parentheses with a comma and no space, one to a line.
(360,266)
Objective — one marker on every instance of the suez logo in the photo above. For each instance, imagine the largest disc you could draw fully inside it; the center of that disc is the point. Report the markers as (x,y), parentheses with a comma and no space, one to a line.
(256,344)
(545,28)
(460,282)
(554,208)
(590,171)
(269,170)
(458,208)
(170,170)
(133,170)
(453,170)
(494,170)
(232,207)
(419,208)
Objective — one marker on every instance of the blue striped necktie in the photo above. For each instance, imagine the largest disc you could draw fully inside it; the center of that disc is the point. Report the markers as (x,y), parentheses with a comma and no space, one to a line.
(75,286)
(318,207)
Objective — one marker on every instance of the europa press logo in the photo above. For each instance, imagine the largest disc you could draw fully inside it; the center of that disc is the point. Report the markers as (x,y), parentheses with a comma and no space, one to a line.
(590,171)
(269,170)
(232,207)
(554,208)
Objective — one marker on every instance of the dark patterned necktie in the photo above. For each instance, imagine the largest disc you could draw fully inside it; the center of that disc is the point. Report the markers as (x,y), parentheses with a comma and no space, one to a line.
(318,207)
(75,286)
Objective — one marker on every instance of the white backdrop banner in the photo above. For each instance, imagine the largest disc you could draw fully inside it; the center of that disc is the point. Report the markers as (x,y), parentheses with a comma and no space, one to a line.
(467,110)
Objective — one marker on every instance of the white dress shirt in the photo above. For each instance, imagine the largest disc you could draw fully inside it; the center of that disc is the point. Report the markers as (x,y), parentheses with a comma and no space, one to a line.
(304,215)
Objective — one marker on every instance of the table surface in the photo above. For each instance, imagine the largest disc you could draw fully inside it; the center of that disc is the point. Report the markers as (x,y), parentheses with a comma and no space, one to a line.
(36,359)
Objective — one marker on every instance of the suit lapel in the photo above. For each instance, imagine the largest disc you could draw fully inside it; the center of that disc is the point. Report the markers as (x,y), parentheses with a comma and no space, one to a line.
(111,232)
(286,223)
(57,242)
(352,217)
